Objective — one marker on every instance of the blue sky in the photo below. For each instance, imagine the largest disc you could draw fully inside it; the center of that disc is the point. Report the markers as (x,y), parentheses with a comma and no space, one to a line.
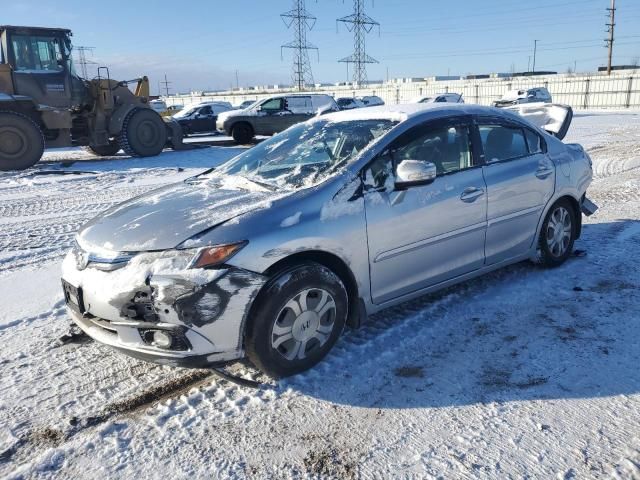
(200,44)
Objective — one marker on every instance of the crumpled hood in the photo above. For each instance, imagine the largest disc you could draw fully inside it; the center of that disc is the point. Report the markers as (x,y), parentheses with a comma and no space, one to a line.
(168,216)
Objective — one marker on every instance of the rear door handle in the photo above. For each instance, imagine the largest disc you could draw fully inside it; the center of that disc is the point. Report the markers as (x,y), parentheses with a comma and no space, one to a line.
(471,193)
(543,171)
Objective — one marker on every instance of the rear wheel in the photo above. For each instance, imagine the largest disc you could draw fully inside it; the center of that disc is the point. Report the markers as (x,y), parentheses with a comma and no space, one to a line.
(143,133)
(298,318)
(242,133)
(21,141)
(104,150)
(558,234)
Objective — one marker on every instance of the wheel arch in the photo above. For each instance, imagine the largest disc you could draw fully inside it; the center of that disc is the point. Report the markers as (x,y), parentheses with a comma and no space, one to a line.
(575,203)
(337,266)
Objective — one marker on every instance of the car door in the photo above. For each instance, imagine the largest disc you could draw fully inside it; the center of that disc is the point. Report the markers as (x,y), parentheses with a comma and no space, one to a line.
(268,116)
(425,234)
(520,180)
(300,108)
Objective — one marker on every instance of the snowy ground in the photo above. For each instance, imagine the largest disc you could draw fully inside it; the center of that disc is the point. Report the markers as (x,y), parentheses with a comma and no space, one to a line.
(524,373)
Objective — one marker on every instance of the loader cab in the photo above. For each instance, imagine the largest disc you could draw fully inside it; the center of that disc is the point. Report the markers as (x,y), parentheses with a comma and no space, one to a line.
(41,66)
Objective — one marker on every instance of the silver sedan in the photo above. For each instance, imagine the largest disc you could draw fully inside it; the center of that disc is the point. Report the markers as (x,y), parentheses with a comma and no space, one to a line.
(271,255)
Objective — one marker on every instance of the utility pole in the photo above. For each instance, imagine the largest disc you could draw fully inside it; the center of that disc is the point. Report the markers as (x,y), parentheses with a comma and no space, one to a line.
(360,24)
(237,81)
(82,60)
(535,48)
(300,20)
(611,25)
(166,84)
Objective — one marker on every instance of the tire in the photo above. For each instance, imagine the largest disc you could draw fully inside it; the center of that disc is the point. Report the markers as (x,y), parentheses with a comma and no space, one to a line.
(558,234)
(282,338)
(242,133)
(21,141)
(143,133)
(104,150)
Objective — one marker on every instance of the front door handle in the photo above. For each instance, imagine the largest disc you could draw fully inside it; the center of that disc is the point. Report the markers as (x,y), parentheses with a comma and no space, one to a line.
(471,193)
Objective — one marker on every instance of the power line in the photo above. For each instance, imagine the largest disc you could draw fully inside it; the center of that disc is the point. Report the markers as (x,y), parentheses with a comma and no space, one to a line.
(611,25)
(82,59)
(360,24)
(300,20)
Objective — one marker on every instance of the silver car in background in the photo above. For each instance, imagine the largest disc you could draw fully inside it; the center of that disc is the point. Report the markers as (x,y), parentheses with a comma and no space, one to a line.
(272,254)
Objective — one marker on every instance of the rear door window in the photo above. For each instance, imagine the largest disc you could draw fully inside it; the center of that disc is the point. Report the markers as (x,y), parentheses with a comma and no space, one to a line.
(502,142)
(299,104)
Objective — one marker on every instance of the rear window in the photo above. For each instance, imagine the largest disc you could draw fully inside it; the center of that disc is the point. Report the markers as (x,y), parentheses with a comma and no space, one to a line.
(501,142)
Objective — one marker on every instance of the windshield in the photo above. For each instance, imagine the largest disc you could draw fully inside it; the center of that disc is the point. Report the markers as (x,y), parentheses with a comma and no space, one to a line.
(305,154)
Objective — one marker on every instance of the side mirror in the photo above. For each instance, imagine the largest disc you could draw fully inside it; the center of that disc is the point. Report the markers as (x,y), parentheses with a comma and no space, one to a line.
(411,173)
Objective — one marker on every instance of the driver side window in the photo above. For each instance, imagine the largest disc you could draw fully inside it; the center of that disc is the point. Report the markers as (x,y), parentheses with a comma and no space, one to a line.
(273,105)
(447,146)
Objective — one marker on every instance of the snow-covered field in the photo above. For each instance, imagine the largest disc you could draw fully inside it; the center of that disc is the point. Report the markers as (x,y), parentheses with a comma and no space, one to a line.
(525,373)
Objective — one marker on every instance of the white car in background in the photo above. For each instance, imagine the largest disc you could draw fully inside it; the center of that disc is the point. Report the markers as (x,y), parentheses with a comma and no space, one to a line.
(159,106)
(531,95)
(441,98)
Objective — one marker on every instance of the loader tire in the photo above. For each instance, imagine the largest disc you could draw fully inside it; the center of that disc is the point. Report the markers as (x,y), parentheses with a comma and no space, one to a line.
(104,150)
(21,141)
(143,133)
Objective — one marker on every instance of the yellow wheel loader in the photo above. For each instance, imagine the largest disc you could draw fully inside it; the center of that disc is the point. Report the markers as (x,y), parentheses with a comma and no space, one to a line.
(45,103)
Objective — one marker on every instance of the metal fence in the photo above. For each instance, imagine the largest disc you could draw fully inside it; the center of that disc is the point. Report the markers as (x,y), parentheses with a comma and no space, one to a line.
(618,91)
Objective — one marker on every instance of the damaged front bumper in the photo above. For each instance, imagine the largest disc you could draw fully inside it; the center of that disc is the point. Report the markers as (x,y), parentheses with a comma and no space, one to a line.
(159,312)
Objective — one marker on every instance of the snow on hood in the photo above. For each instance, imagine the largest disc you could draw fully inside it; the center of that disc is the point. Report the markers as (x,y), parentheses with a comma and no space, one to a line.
(166,217)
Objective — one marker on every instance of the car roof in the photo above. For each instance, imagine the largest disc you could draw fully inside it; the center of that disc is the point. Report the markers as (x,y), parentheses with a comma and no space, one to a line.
(402,112)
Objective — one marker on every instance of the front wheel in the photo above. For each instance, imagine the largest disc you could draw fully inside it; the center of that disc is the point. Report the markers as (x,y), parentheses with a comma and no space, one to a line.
(242,133)
(297,320)
(558,234)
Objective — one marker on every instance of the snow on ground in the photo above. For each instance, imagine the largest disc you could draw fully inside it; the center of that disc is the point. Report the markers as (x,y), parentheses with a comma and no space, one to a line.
(523,373)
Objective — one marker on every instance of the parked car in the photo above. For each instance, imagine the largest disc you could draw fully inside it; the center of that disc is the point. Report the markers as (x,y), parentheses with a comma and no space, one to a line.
(201,118)
(273,115)
(245,104)
(371,101)
(349,103)
(159,106)
(441,98)
(273,253)
(532,95)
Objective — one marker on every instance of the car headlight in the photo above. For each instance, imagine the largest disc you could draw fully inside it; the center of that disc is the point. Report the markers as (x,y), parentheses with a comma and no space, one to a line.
(210,257)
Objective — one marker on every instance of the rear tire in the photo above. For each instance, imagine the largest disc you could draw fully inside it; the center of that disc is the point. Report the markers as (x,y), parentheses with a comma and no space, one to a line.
(21,141)
(558,234)
(296,320)
(104,150)
(242,133)
(143,134)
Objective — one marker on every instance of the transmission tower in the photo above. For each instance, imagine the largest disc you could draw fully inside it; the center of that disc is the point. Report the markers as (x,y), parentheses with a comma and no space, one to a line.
(609,41)
(82,59)
(300,20)
(360,24)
